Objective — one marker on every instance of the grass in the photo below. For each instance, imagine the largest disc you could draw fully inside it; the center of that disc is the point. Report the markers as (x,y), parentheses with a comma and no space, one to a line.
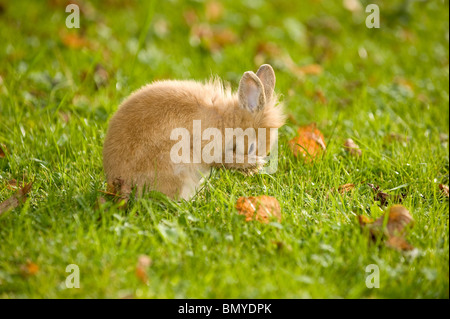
(56,99)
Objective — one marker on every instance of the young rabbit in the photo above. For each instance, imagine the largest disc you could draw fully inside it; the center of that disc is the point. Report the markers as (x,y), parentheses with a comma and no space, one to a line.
(142,146)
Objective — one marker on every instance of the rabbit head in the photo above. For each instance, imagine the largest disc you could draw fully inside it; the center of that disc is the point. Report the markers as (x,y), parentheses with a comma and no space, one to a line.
(256,110)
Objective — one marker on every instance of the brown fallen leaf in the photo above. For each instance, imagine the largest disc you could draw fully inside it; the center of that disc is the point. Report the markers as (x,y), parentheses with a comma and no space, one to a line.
(319,95)
(311,69)
(444,189)
(74,40)
(351,147)
(346,188)
(142,266)
(261,208)
(393,229)
(16,199)
(12,185)
(29,269)
(399,217)
(309,144)
(364,220)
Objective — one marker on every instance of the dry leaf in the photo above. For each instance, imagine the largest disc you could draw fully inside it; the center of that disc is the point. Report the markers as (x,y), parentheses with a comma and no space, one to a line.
(16,199)
(312,69)
(364,220)
(346,188)
(309,144)
(12,185)
(74,41)
(319,95)
(399,218)
(142,266)
(444,189)
(29,269)
(260,208)
(393,230)
(352,147)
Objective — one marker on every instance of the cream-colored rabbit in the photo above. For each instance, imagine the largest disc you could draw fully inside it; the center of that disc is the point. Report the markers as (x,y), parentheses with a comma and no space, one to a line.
(142,146)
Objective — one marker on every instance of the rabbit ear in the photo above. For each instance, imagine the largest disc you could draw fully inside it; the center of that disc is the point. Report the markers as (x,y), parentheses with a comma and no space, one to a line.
(251,92)
(267,77)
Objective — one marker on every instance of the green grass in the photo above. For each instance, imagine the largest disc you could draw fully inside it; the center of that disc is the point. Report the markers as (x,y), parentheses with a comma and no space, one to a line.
(53,119)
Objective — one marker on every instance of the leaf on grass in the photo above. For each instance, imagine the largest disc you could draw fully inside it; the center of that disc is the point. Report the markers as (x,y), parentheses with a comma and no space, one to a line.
(12,185)
(319,95)
(311,69)
(74,40)
(351,147)
(346,188)
(16,199)
(444,189)
(364,220)
(142,266)
(29,269)
(309,144)
(261,208)
(393,229)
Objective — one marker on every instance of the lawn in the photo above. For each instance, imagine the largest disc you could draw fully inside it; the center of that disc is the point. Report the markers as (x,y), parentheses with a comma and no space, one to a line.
(386,88)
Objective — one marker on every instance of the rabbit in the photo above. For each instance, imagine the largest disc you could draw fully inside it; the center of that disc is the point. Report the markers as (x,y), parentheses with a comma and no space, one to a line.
(139,145)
